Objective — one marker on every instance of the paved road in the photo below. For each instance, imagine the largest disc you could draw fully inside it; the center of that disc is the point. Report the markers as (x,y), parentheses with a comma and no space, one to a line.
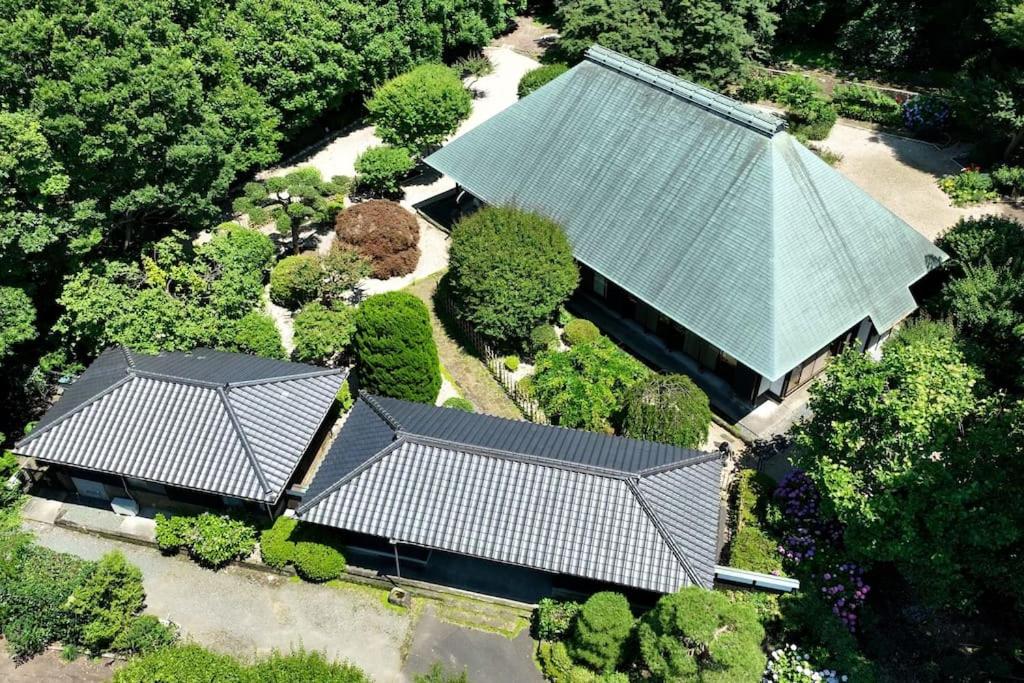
(246,613)
(484,656)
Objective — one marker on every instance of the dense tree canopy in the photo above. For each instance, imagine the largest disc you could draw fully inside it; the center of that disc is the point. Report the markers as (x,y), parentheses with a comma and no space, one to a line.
(922,468)
(701,635)
(421,108)
(669,409)
(509,270)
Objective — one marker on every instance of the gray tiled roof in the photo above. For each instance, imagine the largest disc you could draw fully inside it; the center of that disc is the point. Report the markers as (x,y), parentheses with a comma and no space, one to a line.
(699,206)
(226,423)
(503,491)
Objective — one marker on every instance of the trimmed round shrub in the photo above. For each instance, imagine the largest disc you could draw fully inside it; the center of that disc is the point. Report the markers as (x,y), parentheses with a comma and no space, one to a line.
(322,334)
(669,409)
(535,78)
(384,233)
(419,108)
(380,169)
(542,338)
(257,334)
(459,403)
(276,547)
(318,562)
(603,626)
(296,280)
(509,270)
(696,633)
(580,331)
(395,350)
(511,363)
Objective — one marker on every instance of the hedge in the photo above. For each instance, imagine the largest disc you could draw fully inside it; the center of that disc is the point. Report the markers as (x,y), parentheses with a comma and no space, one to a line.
(212,540)
(535,78)
(395,350)
(318,562)
(751,548)
(603,626)
(580,331)
(276,547)
(296,280)
(867,104)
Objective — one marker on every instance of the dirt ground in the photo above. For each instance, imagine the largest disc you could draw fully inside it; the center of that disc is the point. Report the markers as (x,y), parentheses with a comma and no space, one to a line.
(902,175)
(472,377)
(49,667)
(530,37)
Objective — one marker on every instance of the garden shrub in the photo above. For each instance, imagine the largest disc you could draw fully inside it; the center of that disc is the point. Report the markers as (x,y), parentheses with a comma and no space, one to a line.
(927,115)
(558,667)
(862,103)
(459,403)
(296,280)
(1009,180)
(807,619)
(603,626)
(383,233)
(969,186)
(323,335)
(553,619)
(511,363)
(813,120)
(344,396)
(342,269)
(509,271)
(302,666)
(107,601)
(754,89)
(542,338)
(395,350)
(144,634)
(668,409)
(257,334)
(186,663)
(542,75)
(419,108)
(318,562)
(585,387)
(172,533)
(276,545)
(381,168)
(580,331)
(212,540)
(698,634)
(35,584)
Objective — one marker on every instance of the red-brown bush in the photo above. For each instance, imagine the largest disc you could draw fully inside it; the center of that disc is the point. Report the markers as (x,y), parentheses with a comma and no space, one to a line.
(384,233)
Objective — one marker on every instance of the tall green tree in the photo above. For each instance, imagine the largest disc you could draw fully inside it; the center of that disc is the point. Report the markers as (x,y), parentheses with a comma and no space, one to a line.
(420,108)
(394,348)
(17,319)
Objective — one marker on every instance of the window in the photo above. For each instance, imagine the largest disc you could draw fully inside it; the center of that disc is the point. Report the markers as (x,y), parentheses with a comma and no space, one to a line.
(600,285)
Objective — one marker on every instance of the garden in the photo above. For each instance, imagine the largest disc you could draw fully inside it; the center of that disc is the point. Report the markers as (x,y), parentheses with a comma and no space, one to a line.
(510,273)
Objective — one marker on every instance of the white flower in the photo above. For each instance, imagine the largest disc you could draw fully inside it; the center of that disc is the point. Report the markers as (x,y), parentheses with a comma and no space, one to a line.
(792,647)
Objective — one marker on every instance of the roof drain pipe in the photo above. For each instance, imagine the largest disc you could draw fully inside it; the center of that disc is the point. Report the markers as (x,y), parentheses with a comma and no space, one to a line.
(124,485)
(770,582)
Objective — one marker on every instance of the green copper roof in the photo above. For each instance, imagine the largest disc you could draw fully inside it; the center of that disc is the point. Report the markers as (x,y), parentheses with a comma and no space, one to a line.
(698,205)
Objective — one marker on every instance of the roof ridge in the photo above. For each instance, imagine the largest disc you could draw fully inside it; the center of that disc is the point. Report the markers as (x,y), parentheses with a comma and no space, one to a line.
(519,457)
(765,124)
(128,358)
(322,372)
(356,471)
(129,376)
(632,485)
(249,453)
(390,419)
(700,459)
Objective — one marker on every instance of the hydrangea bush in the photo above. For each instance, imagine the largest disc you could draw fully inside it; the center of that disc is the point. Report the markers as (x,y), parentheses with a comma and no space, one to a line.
(844,588)
(926,114)
(789,664)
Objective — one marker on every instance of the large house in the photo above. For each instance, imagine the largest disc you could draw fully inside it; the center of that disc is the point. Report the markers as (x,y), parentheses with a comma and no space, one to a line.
(699,218)
(561,503)
(206,428)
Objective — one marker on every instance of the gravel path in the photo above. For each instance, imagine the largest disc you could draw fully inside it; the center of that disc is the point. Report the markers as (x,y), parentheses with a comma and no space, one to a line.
(246,613)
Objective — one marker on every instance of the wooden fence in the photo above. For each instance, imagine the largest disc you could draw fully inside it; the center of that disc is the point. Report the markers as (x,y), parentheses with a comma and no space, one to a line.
(495,363)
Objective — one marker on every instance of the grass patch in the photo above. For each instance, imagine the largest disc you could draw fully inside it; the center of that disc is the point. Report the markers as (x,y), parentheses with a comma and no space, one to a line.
(481,616)
(378,594)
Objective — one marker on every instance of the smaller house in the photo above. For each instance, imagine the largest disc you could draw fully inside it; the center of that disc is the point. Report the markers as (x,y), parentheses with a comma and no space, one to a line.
(492,492)
(205,427)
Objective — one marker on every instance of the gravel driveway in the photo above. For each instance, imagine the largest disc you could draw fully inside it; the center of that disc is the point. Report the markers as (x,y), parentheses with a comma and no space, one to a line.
(246,613)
